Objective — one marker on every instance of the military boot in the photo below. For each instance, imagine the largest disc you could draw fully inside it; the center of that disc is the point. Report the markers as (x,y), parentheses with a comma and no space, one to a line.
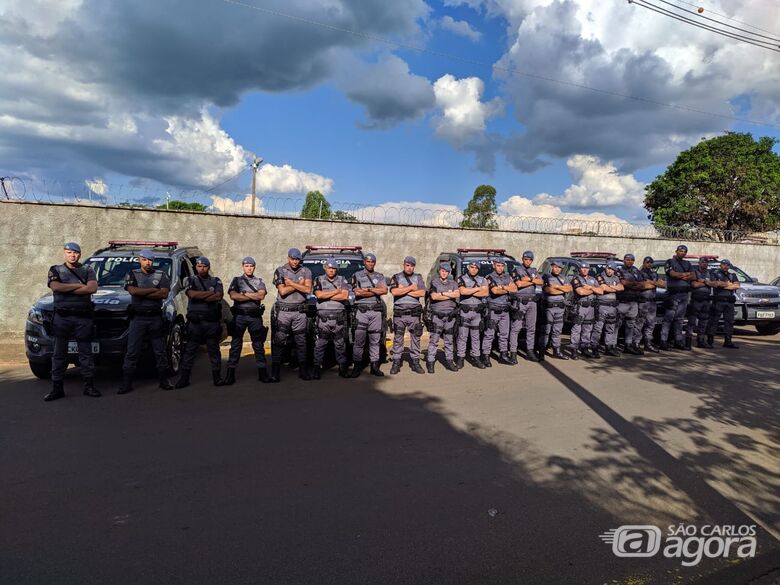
(416,367)
(541,354)
(664,346)
(557,353)
(431,367)
(638,350)
(701,341)
(262,375)
(303,372)
(57,391)
(230,377)
(460,363)
(477,363)
(276,373)
(396,367)
(596,352)
(184,379)
(164,381)
(357,369)
(513,357)
(375,371)
(710,341)
(688,342)
(730,344)
(573,352)
(450,366)
(89,388)
(316,372)
(486,360)
(651,348)
(216,378)
(531,356)
(343,371)
(611,351)
(126,385)
(586,353)
(505,358)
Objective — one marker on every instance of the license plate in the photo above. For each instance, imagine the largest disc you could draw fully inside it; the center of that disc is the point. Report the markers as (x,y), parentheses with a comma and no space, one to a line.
(73,347)
(765,314)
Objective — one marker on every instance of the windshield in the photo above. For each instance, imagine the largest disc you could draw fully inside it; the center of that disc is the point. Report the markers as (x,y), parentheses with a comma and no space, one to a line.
(347,266)
(486,266)
(741,276)
(111,270)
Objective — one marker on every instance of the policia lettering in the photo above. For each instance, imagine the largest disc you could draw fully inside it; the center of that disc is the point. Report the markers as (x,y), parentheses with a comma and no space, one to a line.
(247,293)
(148,289)
(473,290)
(407,288)
(370,315)
(443,296)
(293,283)
(204,314)
(72,284)
(332,292)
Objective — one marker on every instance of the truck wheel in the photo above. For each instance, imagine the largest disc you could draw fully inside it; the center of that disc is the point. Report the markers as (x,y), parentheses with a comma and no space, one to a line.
(768,328)
(41,370)
(175,346)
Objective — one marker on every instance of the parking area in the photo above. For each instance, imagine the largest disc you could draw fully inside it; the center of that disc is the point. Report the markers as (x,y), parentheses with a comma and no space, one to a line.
(507,475)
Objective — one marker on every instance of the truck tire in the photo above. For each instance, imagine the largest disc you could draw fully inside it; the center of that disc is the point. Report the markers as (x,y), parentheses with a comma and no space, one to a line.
(41,370)
(175,346)
(768,328)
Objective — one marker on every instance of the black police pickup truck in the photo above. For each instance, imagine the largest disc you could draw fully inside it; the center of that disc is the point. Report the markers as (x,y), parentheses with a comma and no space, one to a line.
(460,260)
(111,302)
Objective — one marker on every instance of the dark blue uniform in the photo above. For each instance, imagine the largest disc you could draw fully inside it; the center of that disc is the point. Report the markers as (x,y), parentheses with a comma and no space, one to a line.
(203,324)
(722,305)
(247,316)
(146,320)
(676,300)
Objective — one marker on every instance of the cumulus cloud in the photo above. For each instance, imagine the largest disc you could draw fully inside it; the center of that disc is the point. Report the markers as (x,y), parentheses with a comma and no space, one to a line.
(414,212)
(387,90)
(463,114)
(521,206)
(460,27)
(596,184)
(286,179)
(92,86)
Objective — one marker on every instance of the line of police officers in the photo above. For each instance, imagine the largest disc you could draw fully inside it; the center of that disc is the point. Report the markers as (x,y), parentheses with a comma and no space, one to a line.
(465,315)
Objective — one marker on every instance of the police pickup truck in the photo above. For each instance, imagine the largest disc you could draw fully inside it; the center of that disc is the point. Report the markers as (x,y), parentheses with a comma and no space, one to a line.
(111,303)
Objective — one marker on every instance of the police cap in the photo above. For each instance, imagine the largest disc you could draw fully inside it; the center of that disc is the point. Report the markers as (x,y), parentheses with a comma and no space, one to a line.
(294,253)
(331,263)
(628,257)
(682,247)
(555,262)
(203,260)
(249,260)
(528,254)
(410,260)
(445,266)
(612,264)
(148,254)
(72,246)
(648,259)
(726,262)
(370,256)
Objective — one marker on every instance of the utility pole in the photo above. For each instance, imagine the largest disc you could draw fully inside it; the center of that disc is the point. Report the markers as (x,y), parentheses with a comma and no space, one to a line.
(255,165)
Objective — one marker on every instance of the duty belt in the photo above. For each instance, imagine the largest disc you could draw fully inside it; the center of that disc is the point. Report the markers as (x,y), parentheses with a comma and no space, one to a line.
(301,308)
(555,304)
(470,308)
(586,303)
(73,312)
(644,300)
(499,310)
(525,300)
(678,291)
(146,311)
(607,303)
(726,299)
(254,312)
(367,308)
(444,314)
(331,314)
(414,311)
(700,298)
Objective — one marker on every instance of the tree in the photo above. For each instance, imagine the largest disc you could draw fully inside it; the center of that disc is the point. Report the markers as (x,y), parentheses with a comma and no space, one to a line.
(182,205)
(731,182)
(481,211)
(343,216)
(315,206)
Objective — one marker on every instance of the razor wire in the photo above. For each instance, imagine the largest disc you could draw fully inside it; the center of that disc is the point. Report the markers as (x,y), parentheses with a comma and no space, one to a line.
(99,193)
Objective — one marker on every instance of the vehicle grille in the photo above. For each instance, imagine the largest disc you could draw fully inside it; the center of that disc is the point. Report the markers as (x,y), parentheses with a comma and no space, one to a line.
(760,295)
(110,327)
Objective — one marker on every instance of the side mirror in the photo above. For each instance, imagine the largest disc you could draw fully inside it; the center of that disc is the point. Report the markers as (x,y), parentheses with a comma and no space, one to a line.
(753,279)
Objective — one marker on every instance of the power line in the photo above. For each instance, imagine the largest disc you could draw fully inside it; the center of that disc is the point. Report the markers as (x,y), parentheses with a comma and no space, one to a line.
(227,180)
(660,10)
(701,15)
(727,17)
(507,69)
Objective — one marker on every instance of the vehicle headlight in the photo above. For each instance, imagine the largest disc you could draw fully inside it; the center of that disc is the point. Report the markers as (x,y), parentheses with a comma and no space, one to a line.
(35,316)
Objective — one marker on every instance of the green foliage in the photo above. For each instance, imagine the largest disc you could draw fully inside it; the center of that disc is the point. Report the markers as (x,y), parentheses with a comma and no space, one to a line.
(731,182)
(481,211)
(315,206)
(183,206)
(343,216)
(132,204)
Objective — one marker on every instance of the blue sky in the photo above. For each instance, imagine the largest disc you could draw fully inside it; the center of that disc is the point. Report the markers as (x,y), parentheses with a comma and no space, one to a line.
(135,95)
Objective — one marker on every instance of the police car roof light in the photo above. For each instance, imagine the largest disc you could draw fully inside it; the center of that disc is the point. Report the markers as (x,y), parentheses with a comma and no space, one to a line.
(593,255)
(341,248)
(122,243)
(485,250)
(697,256)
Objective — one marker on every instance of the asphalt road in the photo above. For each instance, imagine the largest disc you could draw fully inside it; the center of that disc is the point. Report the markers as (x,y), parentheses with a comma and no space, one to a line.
(501,476)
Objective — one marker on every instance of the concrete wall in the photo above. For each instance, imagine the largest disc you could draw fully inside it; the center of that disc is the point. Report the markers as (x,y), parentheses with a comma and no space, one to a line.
(32,235)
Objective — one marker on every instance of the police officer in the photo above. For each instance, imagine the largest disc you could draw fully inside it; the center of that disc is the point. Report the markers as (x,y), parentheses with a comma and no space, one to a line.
(332,292)
(501,288)
(293,285)
(586,292)
(247,293)
(606,311)
(443,295)
(700,306)
(648,308)
(628,303)
(204,314)
(72,283)
(555,288)
(679,274)
(369,287)
(407,288)
(524,311)
(473,290)
(148,289)
(724,283)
